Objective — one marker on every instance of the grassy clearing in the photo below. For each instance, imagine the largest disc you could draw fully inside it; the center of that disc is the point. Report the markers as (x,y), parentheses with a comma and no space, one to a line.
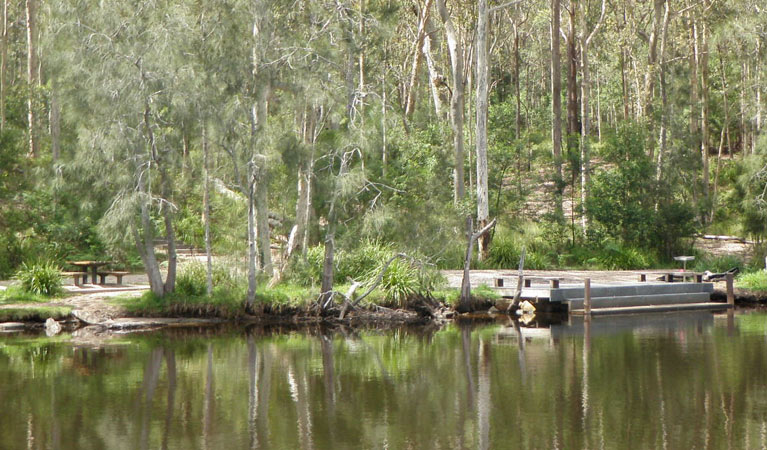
(223,303)
(15,295)
(753,281)
(451,296)
(35,314)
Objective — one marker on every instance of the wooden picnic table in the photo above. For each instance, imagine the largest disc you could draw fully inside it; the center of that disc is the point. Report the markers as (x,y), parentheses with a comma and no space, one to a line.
(91,267)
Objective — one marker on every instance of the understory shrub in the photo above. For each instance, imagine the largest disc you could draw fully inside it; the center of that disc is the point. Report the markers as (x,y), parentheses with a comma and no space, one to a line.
(40,278)
(402,278)
(754,281)
(192,281)
(614,256)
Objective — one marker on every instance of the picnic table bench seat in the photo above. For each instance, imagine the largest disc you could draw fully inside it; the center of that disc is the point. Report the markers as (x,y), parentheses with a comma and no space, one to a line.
(78,277)
(118,274)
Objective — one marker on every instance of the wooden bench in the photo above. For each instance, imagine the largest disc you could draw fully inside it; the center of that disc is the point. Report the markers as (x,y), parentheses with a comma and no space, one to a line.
(115,273)
(79,277)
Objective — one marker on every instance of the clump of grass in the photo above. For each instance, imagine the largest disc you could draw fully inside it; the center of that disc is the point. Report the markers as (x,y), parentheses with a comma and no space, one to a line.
(15,294)
(179,305)
(35,314)
(40,278)
(753,281)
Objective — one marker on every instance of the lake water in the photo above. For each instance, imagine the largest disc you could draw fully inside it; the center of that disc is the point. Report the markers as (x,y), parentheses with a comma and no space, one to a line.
(666,381)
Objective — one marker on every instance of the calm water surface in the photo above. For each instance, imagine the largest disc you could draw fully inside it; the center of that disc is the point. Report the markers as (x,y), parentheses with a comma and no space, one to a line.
(668,381)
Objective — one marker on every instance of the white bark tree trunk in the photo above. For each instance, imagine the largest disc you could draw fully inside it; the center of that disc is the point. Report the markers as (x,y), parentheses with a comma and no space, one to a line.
(483,211)
(556,107)
(455,48)
(31,29)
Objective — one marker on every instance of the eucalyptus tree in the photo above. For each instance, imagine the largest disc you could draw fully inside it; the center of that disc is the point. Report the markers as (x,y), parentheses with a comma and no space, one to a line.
(122,93)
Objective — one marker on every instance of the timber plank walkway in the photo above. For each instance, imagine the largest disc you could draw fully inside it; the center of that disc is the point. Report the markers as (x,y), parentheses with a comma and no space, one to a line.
(616,292)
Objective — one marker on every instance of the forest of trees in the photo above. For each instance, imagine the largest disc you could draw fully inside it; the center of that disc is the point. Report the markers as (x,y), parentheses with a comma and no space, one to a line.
(596,132)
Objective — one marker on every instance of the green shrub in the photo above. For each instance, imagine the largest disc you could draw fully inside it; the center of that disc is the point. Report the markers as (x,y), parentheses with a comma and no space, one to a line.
(754,281)
(192,280)
(717,264)
(614,256)
(400,280)
(40,278)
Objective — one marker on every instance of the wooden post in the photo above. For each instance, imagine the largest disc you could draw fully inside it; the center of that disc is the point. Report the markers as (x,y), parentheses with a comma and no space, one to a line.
(499,282)
(642,277)
(587,298)
(730,289)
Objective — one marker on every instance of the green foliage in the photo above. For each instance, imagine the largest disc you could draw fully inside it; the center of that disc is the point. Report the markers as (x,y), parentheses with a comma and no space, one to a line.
(402,278)
(717,264)
(36,314)
(192,281)
(614,256)
(40,278)
(15,294)
(753,281)
(627,203)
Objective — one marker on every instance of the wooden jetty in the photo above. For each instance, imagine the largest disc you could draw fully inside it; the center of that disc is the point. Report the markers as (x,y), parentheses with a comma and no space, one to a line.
(547,294)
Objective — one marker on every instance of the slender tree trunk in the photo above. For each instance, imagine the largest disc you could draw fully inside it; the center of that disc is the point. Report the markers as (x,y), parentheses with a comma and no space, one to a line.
(330,236)
(743,134)
(573,125)
(206,210)
(694,114)
(556,109)
(516,59)
(262,184)
(704,144)
(483,210)
(758,85)
(32,75)
(456,104)
(434,77)
(649,81)
(252,250)
(3,64)
(664,96)
(417,53)
(55,123)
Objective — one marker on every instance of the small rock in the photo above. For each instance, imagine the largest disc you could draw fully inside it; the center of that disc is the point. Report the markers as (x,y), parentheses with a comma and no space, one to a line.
(52,328)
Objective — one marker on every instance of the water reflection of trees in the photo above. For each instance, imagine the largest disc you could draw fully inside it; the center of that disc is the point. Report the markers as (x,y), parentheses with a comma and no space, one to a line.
(459,387)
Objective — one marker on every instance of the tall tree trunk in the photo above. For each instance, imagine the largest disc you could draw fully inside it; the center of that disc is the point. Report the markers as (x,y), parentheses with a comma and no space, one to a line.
(32,75)
(649,80)
(585,87)
(330,236)
(516,60)
(556,109)
(694,114)
(456,103)
(483,210)
(704,144)
(262,183)
(743,133)
(252,246)
(3,64)
(573,125)
(434,77)
(55,123)
(663,95)
(206,210)
(417,53)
